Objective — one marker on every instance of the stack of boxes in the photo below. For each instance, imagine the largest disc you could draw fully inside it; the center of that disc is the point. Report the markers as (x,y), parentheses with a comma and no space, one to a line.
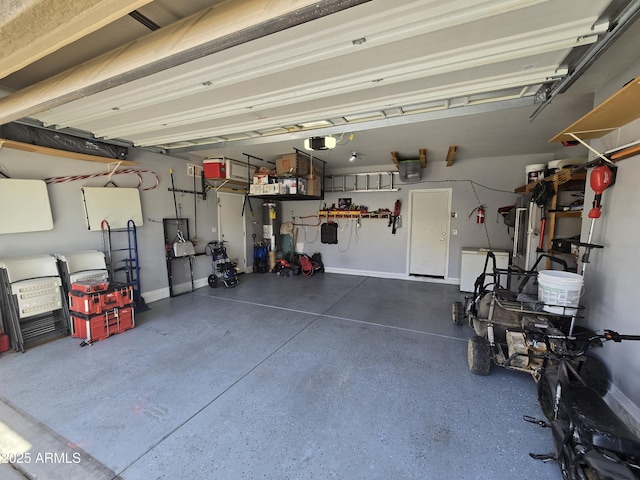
(293,177)
(99,309)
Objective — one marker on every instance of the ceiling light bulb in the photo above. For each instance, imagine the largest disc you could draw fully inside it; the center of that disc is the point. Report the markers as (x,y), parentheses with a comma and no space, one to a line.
(353,157)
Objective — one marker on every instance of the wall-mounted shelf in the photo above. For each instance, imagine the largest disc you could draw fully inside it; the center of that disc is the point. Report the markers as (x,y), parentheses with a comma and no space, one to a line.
(361,182)
(616,111)
(27,147)
(576,178)
(568,214)
(351,214)
(223,184)
(576,182)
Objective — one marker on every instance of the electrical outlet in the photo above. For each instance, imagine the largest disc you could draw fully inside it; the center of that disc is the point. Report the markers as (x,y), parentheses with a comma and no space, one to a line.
(194,170)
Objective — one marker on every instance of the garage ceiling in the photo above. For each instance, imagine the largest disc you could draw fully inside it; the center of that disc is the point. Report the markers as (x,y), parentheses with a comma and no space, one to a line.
(206,78)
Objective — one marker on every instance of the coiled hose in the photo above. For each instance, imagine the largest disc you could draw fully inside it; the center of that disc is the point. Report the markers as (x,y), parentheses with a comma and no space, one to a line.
(307,266)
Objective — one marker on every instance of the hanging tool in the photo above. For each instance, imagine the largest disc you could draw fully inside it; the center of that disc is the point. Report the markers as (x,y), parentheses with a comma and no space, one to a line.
(195,238)
(393,219)
(541,196)
(602,177)
(173,189)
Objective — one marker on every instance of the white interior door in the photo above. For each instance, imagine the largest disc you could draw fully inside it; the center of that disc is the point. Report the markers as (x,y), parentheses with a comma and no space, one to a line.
(231,227)
(430,216)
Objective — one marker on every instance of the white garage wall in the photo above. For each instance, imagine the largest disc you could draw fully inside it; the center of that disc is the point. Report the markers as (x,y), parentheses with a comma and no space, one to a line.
(611,279)
(372,249)
(70,229)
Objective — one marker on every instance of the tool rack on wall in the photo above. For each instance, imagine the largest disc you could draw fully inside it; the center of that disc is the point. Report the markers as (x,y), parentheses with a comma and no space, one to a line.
(177,267)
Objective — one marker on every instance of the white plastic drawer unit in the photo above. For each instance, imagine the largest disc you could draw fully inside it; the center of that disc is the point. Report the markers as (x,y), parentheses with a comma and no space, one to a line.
(37,296)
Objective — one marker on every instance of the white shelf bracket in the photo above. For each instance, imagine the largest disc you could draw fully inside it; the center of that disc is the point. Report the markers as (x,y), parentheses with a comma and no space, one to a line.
(589,147)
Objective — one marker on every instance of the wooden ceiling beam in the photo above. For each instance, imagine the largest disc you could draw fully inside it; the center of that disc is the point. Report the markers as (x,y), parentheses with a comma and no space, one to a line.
(451,155)
(40,27)
(212,30)
(423,157)
(394,159)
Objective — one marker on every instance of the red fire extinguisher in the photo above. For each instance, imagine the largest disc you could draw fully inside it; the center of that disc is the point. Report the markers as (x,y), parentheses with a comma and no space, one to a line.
(480,214)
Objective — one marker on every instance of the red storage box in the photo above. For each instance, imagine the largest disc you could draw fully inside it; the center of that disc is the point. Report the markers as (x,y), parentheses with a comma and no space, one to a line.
(85,303)
(117,296)
(215,168)
(90,286)
(92,328)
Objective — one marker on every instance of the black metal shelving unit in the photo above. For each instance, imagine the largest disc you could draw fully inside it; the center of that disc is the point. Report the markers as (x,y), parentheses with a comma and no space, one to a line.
(297,176)
(177,267)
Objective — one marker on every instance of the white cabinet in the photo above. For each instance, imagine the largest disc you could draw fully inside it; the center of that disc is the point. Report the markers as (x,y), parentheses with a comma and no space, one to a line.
(472,265)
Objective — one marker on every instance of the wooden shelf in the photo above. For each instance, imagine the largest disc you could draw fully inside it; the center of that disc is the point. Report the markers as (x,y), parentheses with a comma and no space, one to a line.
(568,214)
(578,178)
(618,110)
(27,147)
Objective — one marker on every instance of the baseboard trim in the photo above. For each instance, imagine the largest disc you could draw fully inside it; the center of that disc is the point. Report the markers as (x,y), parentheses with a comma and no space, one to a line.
(624,408)
(159,294)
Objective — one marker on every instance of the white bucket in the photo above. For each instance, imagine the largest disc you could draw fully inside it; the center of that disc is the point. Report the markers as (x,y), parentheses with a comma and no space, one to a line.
(534,172)
(563,289)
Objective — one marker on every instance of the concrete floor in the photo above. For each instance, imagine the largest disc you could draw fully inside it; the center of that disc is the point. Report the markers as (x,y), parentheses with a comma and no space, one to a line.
(332,376)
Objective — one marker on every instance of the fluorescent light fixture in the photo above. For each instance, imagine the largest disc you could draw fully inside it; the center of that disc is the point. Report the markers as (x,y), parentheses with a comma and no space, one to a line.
(320,143)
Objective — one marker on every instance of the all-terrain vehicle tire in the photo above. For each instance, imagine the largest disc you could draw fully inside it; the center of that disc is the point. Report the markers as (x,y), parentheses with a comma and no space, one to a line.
(479,355)
(546,397)
(594,374)
(457,313)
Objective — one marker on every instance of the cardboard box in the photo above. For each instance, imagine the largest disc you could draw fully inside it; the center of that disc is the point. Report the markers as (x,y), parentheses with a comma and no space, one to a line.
(272,189)
(317,169)
(215,168)
(314,186)
(292,164)
(264,179)
(256,189)
(293,186)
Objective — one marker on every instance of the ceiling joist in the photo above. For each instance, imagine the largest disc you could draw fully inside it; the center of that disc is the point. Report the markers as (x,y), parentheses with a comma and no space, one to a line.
(215,29)
(39,28)
(422,155)
(451,155)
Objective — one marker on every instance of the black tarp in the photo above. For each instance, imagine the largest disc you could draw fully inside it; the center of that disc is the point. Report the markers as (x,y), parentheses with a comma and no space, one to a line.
(61,141)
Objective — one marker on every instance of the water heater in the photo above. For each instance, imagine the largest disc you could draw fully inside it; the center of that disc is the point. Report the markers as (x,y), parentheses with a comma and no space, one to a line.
(271,225)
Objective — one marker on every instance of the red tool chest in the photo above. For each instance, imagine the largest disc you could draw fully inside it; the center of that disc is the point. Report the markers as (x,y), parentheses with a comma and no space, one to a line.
(117,296)
(99,309)
(96,327)
(90,286)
